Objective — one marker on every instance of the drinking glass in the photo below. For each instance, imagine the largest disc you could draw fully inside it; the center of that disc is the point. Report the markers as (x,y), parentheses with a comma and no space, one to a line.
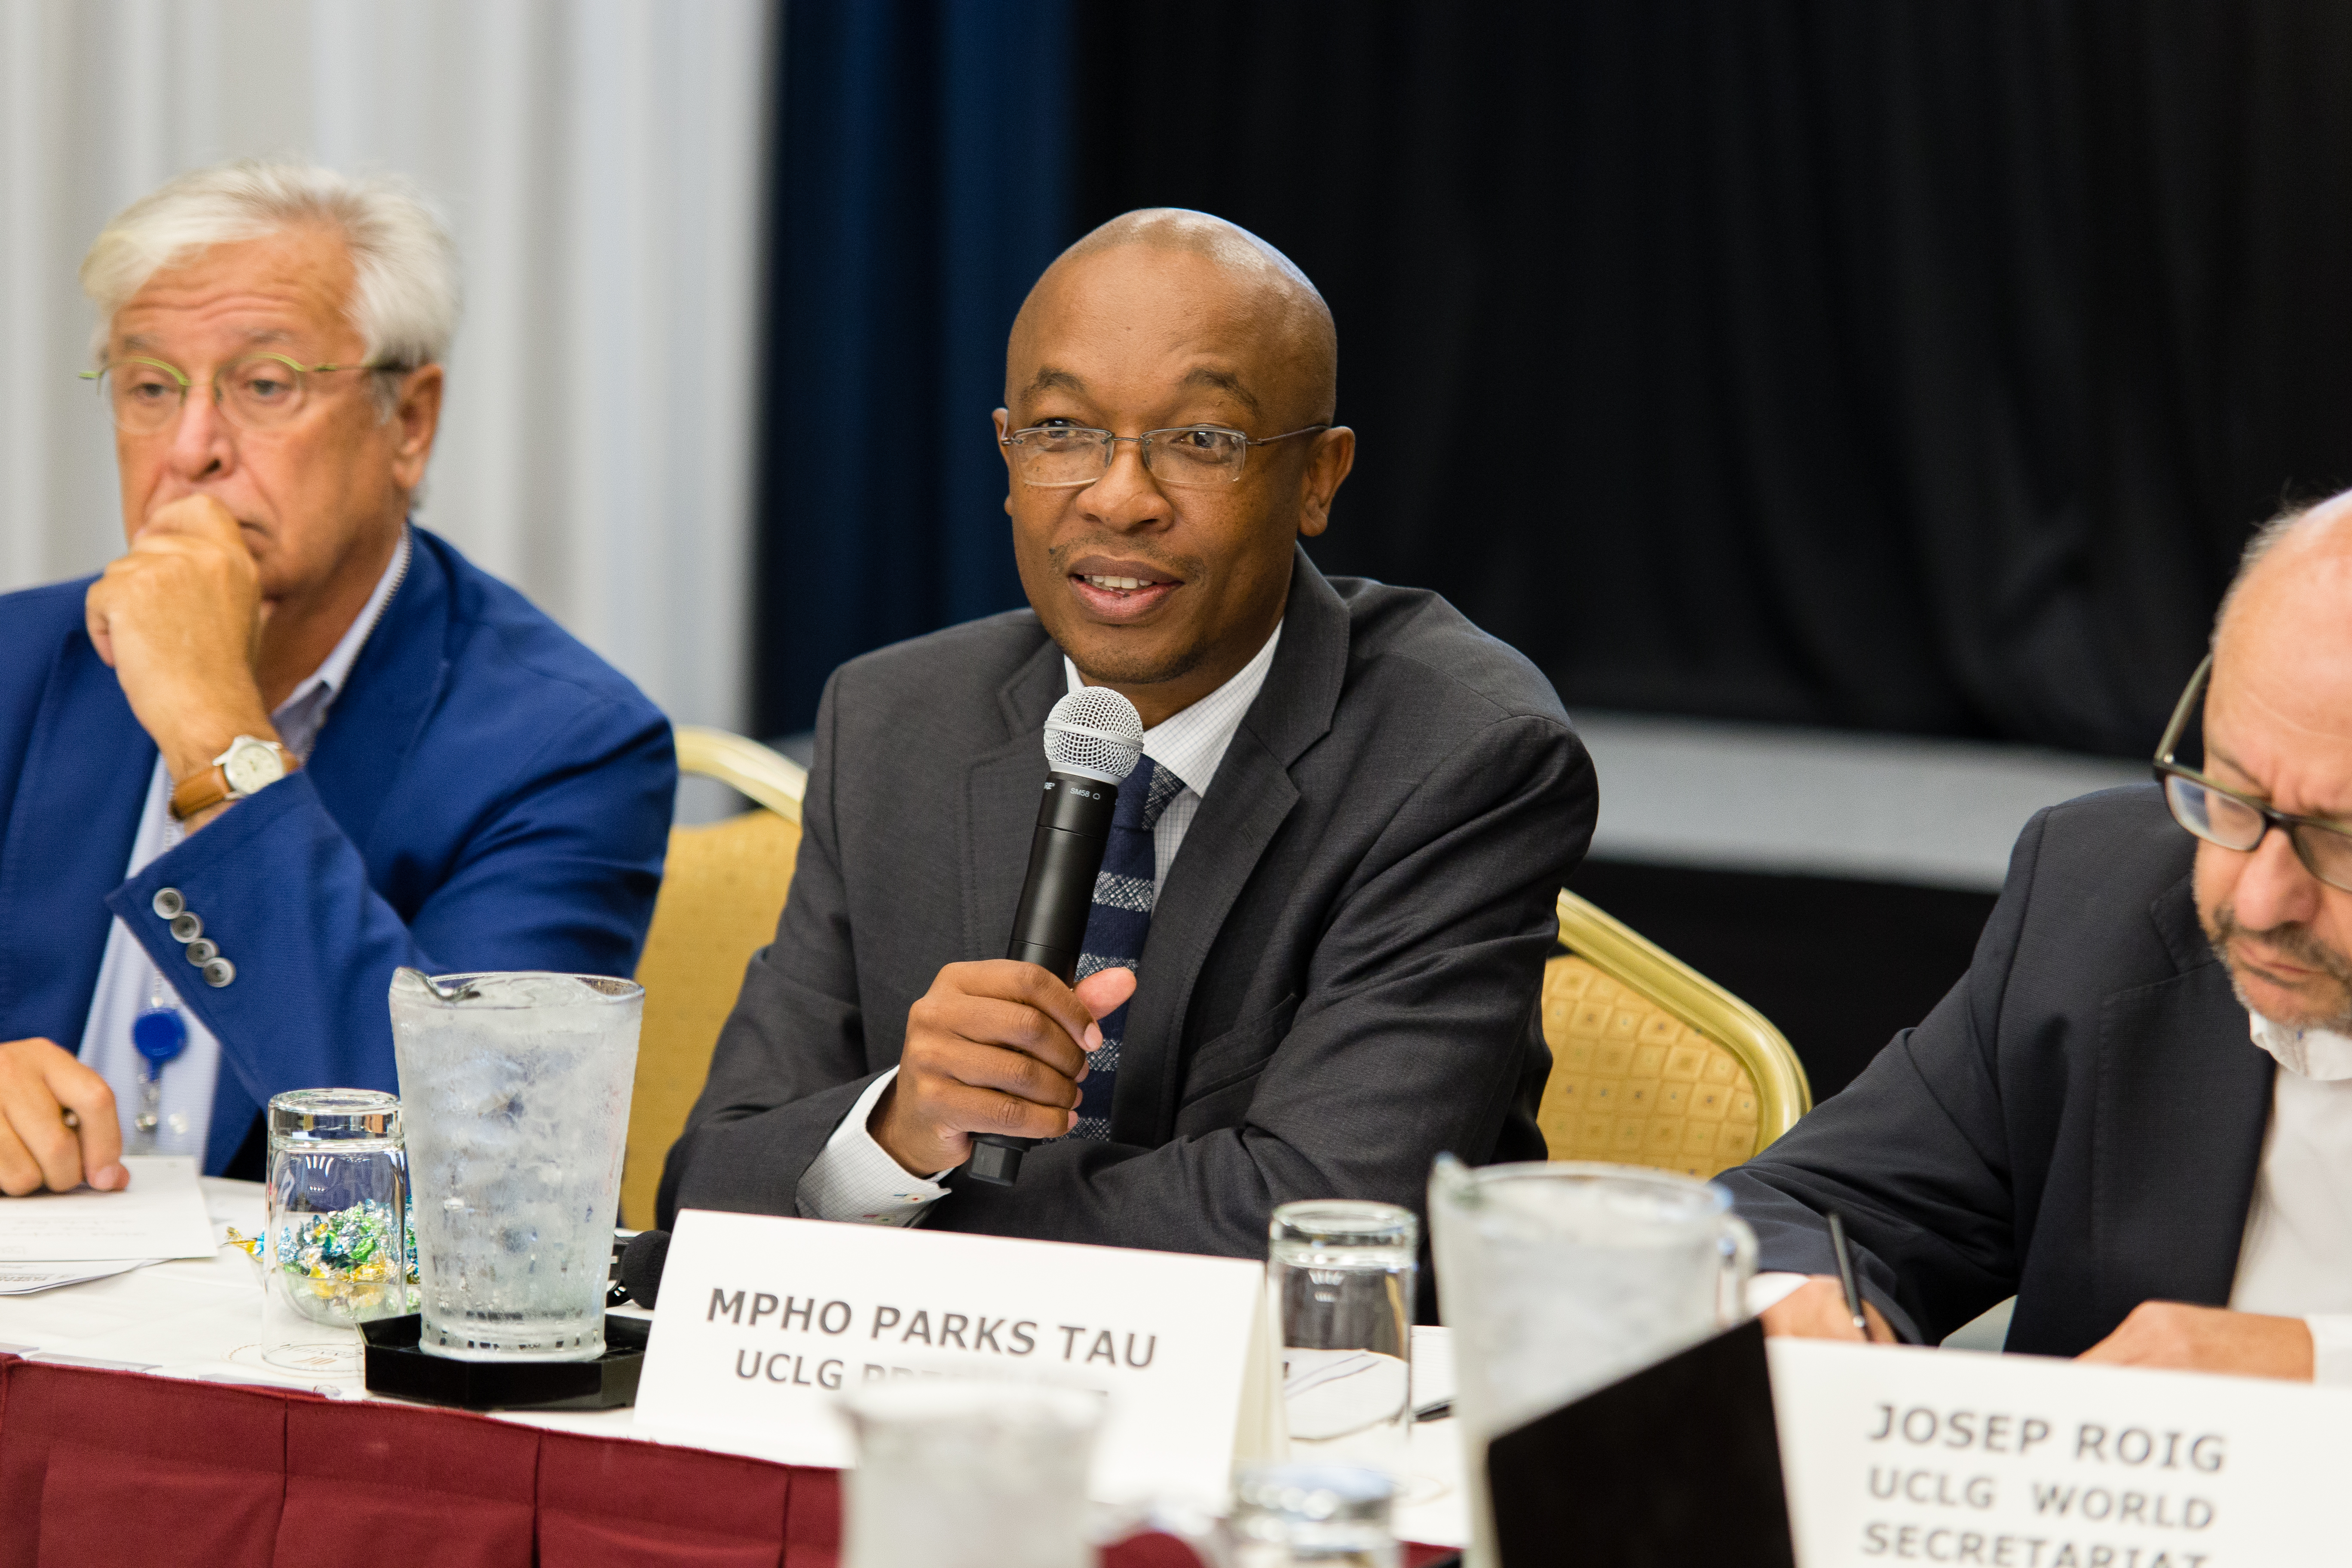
(1344,1272)
(1329,1516)
(335,1242)
(969,1474)
(517,1093)
(1559,1279)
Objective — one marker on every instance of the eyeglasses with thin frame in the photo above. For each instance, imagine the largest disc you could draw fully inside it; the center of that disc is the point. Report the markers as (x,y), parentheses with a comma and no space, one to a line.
(256,392)
(2234,820)
(1063,456)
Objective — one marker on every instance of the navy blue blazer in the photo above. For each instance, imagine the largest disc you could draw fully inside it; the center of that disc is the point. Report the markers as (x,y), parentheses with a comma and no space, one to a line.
(486,793)
(2077,1124)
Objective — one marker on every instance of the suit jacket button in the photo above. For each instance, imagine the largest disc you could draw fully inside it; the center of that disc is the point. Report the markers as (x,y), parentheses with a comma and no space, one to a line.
(220,972)
(168,903)
(187,925)
(202,951)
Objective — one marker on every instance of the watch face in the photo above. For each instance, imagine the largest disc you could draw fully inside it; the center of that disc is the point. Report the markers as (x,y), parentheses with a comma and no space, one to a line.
(252,764)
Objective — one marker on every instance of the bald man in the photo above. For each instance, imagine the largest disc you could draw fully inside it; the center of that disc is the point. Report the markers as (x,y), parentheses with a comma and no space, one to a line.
(2135,1111)
(1317,965)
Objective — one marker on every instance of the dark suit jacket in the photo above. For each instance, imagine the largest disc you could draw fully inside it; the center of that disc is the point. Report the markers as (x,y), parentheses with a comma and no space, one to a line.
(1341,974)
(2078,1122)
(486,793)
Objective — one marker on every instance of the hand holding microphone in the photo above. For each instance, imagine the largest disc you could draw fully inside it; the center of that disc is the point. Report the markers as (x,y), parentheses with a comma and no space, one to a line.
(994,1050)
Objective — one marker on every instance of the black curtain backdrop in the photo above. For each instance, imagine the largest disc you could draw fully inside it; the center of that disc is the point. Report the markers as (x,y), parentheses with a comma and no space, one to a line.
(1911,366)
(1914,366)
(920,184)
(1843,363)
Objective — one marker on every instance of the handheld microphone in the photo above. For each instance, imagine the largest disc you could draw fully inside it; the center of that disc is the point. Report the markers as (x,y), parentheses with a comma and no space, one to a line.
(1093,741)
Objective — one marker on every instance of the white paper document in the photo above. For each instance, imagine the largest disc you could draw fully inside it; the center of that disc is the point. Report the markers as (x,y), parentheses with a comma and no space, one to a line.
(160,1215)
(24,1278)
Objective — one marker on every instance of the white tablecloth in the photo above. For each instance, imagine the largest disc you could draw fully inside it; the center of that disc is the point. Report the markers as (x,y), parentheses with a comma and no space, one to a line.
(202,1319)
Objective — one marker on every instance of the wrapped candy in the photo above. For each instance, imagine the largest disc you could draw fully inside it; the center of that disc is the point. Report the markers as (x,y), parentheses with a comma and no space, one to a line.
(344,1266)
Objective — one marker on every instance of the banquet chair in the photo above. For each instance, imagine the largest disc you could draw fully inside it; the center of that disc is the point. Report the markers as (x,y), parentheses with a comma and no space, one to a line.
(1653,1063)
(722,887)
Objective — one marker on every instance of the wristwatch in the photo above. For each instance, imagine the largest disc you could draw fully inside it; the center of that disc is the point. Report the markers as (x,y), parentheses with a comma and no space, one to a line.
(248,766)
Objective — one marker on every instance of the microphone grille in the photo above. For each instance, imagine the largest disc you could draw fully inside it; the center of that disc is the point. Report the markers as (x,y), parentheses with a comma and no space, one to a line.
(1096,732)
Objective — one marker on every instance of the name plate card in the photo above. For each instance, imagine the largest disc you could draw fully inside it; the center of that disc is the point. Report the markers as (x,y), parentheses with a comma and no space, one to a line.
(1899,1454)
(763,1321)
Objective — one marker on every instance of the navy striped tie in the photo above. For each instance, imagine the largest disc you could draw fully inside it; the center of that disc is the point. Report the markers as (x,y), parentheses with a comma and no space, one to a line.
(1121,918)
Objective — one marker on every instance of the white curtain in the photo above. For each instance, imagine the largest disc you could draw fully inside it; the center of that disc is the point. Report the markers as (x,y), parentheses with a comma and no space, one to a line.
(600,161)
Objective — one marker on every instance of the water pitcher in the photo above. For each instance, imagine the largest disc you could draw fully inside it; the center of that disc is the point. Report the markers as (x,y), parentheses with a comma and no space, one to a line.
(515,1091)
(1558,1280)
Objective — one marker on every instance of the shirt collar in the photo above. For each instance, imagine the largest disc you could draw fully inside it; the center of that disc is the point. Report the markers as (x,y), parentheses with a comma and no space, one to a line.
(2321,1053)
(306,706)
(1191,742)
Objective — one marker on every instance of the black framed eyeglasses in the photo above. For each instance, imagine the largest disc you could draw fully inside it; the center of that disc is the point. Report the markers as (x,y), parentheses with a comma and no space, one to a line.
(2234,820)
(1063,456)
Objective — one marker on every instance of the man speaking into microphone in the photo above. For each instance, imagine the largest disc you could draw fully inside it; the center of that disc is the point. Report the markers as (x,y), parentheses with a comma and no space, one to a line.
(1327,892)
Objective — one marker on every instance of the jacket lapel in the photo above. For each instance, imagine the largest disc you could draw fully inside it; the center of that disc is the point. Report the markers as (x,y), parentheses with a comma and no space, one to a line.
(1000,803)
(392,686)
(2184,1095)
(69,843)
(1243,808)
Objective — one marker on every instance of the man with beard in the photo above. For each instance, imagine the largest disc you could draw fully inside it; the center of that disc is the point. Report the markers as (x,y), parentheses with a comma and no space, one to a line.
(2135,1111)
(1331,879)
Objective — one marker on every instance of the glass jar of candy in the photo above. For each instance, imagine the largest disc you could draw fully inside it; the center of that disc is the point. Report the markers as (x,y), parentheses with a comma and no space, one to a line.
(337,1248)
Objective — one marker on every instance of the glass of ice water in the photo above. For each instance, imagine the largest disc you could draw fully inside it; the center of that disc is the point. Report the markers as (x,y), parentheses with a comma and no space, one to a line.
(1559,1279)
(515,1090)
(956,1473)
(1343,1272)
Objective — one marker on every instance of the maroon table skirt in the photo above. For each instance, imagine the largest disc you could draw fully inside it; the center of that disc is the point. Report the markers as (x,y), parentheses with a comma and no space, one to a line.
(102,1467)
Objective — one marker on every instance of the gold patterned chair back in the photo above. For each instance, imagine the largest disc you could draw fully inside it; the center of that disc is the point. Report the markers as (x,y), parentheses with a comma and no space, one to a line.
(723,886)
(1653,1063)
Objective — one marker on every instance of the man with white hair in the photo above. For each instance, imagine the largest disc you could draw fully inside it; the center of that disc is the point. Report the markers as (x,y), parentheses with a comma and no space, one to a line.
(286,741)
(2134,1113)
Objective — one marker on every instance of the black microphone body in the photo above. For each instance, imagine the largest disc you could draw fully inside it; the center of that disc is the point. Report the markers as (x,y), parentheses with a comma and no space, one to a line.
(1049,926)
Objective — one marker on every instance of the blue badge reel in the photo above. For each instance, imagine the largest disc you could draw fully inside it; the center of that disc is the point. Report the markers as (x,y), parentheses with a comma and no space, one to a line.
(160,1034)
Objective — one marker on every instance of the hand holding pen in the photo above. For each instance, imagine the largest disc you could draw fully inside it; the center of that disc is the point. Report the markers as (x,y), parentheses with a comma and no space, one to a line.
(1830,1306)
(1846,1281)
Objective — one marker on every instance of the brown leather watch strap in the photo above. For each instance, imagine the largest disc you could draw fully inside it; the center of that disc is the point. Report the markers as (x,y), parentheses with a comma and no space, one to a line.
(202,792)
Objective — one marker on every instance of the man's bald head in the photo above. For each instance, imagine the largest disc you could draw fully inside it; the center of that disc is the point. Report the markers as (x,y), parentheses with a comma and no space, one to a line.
(1164,569)
(2294,584)
(2278,729)
(1265,288)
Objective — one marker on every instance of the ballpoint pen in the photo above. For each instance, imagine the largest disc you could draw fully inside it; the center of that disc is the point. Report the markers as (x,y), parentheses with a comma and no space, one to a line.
(1845,1273)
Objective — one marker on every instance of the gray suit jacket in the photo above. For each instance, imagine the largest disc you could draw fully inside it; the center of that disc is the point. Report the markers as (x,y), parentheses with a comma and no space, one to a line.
(2078,1123)
(1341,976)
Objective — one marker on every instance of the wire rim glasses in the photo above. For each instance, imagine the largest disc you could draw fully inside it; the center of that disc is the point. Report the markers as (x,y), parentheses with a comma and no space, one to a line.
(253,391)
(1065,457)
